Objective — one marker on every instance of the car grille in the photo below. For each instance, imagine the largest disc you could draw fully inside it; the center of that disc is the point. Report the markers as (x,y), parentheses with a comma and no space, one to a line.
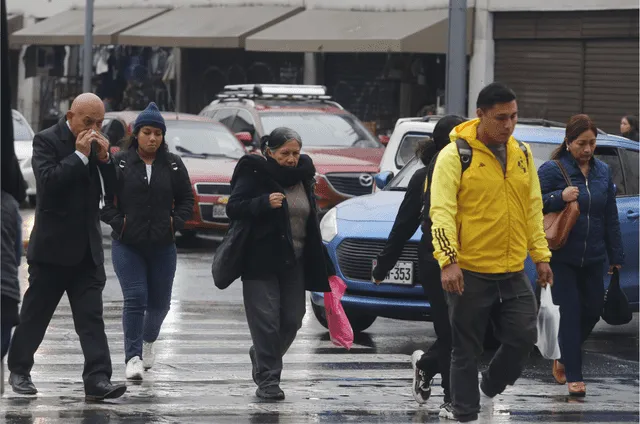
(208,189)
(206,214)
(350,183)
(355,257)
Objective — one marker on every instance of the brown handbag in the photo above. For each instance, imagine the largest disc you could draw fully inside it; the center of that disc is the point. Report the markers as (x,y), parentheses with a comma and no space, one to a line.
(558,225)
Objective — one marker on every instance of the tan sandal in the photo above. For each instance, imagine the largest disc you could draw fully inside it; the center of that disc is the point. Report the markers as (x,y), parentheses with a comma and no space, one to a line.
(577,389)
(558,372)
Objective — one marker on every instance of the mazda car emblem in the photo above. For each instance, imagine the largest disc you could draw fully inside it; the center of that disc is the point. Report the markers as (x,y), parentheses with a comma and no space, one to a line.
(366,180)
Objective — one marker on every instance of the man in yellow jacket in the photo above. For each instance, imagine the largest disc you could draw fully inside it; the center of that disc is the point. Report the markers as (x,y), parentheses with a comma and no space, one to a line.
(485,221)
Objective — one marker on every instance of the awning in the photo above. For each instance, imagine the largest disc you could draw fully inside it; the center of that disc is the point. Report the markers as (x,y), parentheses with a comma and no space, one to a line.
(68,27)
(15,22)
(223,27)
(359,31)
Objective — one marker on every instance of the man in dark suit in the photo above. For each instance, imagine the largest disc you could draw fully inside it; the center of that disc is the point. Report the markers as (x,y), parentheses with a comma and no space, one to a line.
(71,163)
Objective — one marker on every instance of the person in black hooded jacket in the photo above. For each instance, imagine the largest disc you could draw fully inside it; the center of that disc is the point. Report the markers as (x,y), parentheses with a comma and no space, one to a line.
(151,200)
(411,214)
(284,255)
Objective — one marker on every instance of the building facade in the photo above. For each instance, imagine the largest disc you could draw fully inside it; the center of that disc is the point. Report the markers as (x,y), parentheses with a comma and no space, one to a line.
(381,59)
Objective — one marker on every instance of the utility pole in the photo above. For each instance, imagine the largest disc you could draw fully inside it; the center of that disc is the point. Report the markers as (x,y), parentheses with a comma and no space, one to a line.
(87,69)
(456,82)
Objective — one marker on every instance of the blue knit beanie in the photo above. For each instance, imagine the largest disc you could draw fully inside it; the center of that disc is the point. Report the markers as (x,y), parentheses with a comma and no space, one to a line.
(151,117)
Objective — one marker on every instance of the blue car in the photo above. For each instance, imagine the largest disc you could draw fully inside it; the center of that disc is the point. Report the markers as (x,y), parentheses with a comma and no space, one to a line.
(356,230)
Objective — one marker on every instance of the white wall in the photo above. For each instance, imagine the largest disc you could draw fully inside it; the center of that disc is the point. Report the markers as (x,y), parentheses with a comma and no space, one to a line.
(482,60)
(44,8)
(310,4)
(38,8)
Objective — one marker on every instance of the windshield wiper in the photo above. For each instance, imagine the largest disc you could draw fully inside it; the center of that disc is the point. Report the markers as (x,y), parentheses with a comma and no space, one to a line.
(189,153)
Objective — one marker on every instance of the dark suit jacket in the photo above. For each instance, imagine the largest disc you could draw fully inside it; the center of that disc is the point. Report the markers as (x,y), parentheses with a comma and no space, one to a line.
(67,221)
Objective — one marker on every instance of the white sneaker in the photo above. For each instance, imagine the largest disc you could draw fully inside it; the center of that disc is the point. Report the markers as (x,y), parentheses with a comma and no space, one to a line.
(134,369)
(148,355)
(421,387)
(446,411)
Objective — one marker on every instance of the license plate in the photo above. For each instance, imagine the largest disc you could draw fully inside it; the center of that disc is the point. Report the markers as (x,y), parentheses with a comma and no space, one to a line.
(219,211)
(401,273)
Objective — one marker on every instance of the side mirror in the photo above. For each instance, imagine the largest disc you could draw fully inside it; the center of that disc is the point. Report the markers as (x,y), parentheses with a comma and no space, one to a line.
(384,139)
(382,179)
(245,138)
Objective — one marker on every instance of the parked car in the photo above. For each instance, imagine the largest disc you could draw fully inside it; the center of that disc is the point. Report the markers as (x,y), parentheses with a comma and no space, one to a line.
(356,230)
(23,146)
(402,143)
(345,153)
(409,131)
(210,153)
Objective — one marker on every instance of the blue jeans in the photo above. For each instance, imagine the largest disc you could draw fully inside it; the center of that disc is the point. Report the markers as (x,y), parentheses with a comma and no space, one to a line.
(146,275)
(580,294)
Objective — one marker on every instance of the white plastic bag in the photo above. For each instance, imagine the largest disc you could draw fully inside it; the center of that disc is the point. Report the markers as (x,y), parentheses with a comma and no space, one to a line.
(548,326)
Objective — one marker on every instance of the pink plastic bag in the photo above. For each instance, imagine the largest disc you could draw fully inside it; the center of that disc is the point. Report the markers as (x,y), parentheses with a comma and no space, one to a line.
(339,327)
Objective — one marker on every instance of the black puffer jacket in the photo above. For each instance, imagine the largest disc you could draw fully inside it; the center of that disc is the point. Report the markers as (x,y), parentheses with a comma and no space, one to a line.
(270,246)
(139,212)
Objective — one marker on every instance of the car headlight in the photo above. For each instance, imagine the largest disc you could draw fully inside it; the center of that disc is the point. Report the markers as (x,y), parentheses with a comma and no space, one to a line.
(329,226)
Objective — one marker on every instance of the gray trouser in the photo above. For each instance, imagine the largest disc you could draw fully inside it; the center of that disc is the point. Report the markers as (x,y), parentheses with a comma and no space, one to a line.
(512,307)
(275,306)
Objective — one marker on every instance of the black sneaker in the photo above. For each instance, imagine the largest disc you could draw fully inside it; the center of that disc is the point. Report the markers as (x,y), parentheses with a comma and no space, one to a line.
(421,387)
(270,393)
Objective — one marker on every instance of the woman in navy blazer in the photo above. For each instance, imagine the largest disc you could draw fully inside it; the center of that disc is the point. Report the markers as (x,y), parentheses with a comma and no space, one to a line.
(578,267)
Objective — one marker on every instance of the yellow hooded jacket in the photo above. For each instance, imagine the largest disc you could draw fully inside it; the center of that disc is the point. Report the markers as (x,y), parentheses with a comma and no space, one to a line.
(483,219)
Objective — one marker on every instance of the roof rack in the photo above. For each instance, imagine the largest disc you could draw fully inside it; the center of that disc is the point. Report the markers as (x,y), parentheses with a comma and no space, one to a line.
(426,118)
(547,123)
(541,122)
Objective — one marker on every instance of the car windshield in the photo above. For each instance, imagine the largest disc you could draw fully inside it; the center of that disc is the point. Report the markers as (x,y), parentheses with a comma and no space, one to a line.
(541,153)
(322,129)
(21,130)
(401,181)
(202,139)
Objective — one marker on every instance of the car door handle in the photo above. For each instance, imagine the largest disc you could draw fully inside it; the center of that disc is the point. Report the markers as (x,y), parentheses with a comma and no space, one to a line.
(633,215)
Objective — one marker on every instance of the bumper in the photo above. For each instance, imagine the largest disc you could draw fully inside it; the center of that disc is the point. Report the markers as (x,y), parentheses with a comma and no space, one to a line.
(206,228)
(403,309)
(364,297)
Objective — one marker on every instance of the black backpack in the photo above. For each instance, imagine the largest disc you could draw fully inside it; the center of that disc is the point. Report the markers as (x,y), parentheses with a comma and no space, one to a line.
(466,154)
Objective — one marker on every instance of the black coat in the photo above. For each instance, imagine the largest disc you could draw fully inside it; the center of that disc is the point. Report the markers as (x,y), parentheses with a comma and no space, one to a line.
(68,197)
(142,212)
(270,246)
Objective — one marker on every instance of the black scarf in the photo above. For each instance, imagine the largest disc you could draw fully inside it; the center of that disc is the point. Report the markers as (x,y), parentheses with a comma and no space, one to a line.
(287,176)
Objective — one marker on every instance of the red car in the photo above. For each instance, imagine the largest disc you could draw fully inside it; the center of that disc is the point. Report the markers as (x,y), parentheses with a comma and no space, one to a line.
(210,153)
(345,153)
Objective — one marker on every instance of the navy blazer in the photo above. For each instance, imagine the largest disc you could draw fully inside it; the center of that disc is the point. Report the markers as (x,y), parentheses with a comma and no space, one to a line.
(596,234)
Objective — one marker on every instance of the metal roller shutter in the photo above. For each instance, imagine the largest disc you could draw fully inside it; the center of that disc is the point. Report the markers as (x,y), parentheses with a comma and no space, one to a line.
(545,74)
(611,88)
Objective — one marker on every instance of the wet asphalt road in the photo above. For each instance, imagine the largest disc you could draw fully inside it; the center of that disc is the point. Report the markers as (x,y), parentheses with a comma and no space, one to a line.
(202,374)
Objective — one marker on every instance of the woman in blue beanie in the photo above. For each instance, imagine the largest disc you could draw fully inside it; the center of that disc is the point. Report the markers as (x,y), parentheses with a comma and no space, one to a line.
(151,200)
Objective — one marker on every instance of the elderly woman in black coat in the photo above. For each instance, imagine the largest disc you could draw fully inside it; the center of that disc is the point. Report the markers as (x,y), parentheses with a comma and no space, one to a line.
(284,255)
